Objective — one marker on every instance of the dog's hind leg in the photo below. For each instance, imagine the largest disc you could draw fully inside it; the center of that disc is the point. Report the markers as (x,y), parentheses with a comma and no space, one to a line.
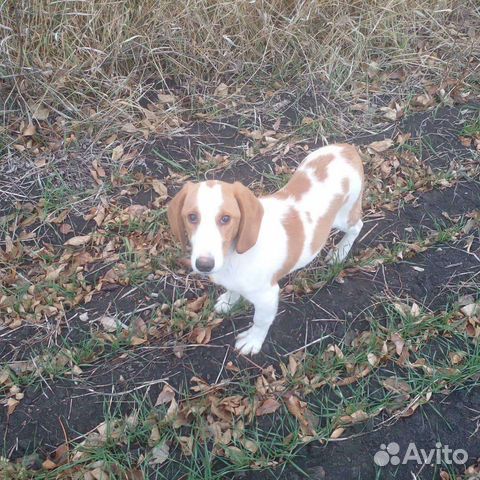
(351,224)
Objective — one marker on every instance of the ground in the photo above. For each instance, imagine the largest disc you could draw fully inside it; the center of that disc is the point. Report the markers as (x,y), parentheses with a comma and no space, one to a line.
(115,365)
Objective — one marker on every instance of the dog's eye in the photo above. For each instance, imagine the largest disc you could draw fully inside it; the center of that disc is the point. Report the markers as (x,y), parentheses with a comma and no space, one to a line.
(225,219)
(192,218)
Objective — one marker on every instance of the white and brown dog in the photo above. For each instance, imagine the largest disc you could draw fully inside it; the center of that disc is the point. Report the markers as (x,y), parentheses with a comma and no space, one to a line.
(247,244)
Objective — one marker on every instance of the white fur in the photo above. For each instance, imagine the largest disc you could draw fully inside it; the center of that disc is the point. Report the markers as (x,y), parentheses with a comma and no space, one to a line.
(207,240)
(250,274)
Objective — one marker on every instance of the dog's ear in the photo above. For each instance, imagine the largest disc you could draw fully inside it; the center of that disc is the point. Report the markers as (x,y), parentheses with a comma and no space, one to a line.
(174,213)
(251,211)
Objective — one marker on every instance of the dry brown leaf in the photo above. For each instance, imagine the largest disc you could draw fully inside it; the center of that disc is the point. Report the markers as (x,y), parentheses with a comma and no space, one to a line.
(221,91)
(12,404)
(117,153)
(423,101)
(159,188)
(99,474)
(40,112)
(29,130)
(53,275)
(396,385)
(160,454)
(201,335)
(398,342)
(456,357)
(381,145)
(197,304)
(78,241)
(372,359)
(136,211)
(471,310)
(166,98)
(110,324)
(166,395)
(65,228)
(337,433)
(49,465)
(300,411)
(135,341)
(270,405)
(129,128)
(134,474)
(186,444)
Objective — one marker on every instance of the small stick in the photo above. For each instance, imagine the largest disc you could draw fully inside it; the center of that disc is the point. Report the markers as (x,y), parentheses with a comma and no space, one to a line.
(307,345)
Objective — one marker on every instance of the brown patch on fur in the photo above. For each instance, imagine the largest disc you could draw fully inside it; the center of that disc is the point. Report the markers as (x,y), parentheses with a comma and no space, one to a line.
(354,159)
(251,215)
(229,207)
(181,205)
(295,240)
(297,186)
(350,153)
(324,223)
(320,164)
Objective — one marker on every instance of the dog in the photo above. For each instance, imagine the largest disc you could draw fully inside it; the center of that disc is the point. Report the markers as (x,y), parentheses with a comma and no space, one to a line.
(247,244)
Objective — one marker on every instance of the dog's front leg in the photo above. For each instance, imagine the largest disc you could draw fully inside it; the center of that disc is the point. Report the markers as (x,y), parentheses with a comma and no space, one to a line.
(266,305)
(226,301)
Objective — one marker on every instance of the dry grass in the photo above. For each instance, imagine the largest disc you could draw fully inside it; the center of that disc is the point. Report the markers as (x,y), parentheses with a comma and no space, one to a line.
(95,60)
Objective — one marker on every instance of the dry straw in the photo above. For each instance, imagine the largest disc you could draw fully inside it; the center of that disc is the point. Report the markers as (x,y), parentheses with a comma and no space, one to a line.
(97,58)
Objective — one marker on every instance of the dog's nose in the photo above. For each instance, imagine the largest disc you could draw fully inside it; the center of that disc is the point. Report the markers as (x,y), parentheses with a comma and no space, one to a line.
(205,264)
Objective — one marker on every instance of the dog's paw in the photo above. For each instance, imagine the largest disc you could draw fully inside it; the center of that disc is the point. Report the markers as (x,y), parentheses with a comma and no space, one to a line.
(250,341)
(225,302)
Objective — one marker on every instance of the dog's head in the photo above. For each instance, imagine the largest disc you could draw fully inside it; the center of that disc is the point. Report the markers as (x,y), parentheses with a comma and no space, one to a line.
(215,217)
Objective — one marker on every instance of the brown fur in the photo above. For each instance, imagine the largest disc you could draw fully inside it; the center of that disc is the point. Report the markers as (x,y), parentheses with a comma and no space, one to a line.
(297,186)
(182,204)
(240,204)
(324,224)
(295,240)
(320,165)
(353,157)
(251,211)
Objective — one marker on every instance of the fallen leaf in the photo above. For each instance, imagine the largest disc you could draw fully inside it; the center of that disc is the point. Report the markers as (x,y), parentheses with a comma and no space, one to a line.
(300,411)
(268,406)
(197,304)
(470,310)
(135,341)
(381,145)
(423,101)
(110,324)
(396,385)
(30,130)
(78,241)
(117,153)
(129,128)
(159,454)
(12,404)
(372,359)
(40,113)
(65,228)
(337,433)
(221,91)
(398,342)
(159,188)
(99,474)
(166,395)
(165,98)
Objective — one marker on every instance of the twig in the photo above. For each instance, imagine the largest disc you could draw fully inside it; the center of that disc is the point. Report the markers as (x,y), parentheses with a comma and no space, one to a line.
(307,345)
